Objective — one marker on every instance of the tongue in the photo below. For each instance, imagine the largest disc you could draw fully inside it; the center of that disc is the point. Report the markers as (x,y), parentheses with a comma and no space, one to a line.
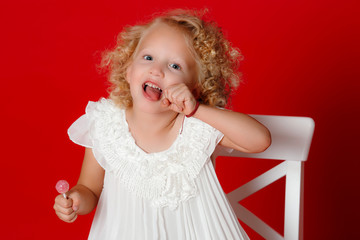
(153,93)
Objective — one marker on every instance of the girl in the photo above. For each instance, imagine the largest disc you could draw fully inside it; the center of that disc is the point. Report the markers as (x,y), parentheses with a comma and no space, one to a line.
(147,163)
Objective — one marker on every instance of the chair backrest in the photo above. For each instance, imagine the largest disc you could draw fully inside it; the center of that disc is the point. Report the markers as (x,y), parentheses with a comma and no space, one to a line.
(291,140)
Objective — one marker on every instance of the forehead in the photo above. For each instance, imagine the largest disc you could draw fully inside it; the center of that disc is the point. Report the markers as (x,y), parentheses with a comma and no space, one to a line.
(164,30)
(165,36)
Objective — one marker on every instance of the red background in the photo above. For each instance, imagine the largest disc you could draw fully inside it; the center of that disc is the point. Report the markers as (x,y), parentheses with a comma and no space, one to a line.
(301,59)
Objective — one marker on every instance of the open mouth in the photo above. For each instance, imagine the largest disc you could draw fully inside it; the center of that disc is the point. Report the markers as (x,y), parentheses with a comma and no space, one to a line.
(152,91)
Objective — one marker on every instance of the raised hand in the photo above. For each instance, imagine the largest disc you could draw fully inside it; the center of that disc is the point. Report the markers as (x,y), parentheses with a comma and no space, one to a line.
(179,98)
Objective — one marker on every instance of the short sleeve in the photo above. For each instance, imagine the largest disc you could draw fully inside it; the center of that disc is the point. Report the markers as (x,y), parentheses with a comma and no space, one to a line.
(219,136)
(202,135)
(215,138)
(220,150)
(85,130)
(79,132)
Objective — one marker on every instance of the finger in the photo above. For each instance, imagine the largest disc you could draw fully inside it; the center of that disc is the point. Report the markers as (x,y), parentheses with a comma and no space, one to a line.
(67,218)
(175,108)
(179,91)
(165,103)
(73,219)
(63,210)
(170,92)
(168,102)
(184,98)
(176,90)
(177,95)
(63,202)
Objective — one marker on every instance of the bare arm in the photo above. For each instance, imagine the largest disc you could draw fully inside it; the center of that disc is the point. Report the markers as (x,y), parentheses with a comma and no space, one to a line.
(83,197)
(241,132)
(90,183)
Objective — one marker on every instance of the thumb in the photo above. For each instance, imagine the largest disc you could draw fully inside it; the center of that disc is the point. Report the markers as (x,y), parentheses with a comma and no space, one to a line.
(75,201)
(76,204)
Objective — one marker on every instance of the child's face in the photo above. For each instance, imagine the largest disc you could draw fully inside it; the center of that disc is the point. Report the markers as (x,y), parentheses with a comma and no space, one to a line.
(162,59)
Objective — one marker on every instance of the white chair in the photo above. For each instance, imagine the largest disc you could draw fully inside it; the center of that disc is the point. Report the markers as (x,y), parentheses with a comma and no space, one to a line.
(291,140)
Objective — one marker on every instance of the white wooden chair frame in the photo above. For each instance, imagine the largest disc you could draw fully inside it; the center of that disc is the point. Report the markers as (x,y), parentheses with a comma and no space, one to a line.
(291,140)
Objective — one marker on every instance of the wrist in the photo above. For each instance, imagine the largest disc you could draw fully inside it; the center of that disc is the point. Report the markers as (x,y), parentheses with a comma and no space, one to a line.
(194,111)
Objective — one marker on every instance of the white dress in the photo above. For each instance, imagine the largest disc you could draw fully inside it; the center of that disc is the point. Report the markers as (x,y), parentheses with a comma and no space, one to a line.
(173,194)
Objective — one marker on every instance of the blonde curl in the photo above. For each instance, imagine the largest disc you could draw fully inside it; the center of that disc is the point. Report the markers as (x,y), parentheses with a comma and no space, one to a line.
(217,60)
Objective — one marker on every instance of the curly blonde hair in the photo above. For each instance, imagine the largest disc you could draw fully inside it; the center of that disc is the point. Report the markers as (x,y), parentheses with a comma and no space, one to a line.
(216,59)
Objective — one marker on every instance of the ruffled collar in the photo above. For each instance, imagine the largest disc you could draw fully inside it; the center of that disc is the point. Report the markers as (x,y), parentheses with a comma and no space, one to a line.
(166,178)
(141,151)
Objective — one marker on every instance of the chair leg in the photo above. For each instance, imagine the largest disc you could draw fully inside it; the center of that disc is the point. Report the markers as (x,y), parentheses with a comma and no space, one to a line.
(294,201)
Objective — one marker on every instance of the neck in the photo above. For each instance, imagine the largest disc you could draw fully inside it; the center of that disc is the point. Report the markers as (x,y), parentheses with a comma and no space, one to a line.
(151,122)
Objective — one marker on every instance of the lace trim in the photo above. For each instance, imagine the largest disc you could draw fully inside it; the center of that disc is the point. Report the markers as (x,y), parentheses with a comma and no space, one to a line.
(166,178)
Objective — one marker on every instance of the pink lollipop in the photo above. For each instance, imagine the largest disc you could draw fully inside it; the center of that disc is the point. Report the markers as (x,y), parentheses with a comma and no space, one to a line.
(62,186)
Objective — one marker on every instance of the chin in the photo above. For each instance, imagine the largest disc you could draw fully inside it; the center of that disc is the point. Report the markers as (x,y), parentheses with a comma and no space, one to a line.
(148,107)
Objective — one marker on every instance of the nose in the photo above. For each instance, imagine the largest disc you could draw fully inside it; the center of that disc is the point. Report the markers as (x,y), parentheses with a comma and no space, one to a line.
(156,70)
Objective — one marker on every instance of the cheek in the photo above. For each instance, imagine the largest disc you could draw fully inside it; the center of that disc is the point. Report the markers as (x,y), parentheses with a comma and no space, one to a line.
(192,81)
(194,86)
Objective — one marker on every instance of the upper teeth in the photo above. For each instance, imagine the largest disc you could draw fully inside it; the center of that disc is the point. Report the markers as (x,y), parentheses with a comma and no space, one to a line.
(153,86)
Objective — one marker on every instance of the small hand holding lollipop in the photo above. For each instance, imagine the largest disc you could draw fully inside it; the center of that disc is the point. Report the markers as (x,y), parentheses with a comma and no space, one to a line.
(62,186)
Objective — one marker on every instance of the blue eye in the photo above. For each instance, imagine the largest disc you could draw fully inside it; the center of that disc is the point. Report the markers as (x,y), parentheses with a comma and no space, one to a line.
(175,66)
(148,58)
